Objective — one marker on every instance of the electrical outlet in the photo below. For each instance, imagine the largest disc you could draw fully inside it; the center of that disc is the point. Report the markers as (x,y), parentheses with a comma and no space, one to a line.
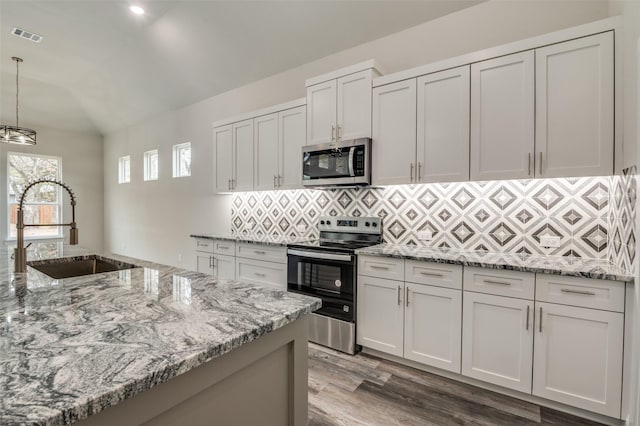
(425,235)
(549,241)
(301,228)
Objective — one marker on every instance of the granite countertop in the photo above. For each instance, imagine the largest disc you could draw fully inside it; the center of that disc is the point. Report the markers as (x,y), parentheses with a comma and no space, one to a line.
(270,240)
(72,347)
(560,265)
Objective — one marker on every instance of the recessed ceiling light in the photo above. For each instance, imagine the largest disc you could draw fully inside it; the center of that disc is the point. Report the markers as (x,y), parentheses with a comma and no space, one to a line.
(137,10)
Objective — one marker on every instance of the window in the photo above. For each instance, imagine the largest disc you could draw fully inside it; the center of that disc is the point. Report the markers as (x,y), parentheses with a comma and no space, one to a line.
(151,165)
(124,169)
(182,160)
(43,204)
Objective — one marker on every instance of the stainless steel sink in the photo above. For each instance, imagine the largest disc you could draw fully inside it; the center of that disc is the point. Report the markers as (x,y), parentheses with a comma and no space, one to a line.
(67,267)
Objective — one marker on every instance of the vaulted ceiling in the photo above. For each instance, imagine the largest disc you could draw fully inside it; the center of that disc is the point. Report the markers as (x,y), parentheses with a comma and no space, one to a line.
(100,68)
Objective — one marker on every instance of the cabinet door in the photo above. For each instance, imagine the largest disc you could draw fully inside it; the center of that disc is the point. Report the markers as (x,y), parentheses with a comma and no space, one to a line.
(225,267)
(497,340)
(243,156)
(321,112)
(204,263)
(262,273)
(394,133)
(433,326)
(502,117)
(574,107)
(223,147)
(292,134)
(354,106)
(443,126)
(578,357)
(265,132)
(380,314)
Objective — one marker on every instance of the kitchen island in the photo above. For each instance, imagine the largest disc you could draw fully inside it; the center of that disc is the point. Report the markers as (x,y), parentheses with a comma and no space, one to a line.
(152,344)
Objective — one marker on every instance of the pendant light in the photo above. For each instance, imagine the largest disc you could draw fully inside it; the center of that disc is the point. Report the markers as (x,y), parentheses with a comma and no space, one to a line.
(16,134)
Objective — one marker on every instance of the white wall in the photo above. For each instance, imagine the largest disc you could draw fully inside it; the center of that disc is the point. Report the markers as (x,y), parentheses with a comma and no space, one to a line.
(153,220)
(81,168)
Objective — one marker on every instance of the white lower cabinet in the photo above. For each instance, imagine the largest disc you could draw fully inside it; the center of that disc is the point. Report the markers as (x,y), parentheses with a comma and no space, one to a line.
(578,357)
(204,263)
(497,340)
(262,273)
(380,316)
(417,321)
(433,326)
(224,267)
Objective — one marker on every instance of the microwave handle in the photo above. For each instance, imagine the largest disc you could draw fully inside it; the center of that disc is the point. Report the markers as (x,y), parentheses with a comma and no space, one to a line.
(352,152)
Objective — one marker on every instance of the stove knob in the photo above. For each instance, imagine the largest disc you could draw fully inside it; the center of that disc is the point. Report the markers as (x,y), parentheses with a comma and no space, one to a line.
(322,222)
(375,224)
(328,222)
(367,224)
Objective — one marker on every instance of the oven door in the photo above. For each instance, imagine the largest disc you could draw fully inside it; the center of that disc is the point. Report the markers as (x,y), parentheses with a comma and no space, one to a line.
(321,273)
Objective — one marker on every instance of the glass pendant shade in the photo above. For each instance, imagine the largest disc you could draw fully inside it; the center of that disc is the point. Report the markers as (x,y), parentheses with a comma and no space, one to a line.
(16,134)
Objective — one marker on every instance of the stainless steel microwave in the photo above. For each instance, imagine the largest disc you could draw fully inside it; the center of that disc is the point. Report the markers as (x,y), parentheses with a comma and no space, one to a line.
(344,163)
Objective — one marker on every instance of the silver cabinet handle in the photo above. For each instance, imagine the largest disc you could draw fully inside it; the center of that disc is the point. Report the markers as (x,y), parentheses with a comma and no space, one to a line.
(411,172)
(527,327)
(279,184)
(384,268)
(399,290)
(260,252)
(419,172)
(229,184)
(260,274)
(431,274)
(496,282)
(274,180)
(210,261)
(333,133)
(339,132)
(586,293)
(223,247)
(540,163)
(529,165)
(540,320)
(407,297)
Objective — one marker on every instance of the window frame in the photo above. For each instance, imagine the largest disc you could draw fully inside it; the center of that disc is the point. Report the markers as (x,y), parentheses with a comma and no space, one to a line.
(58,203)
(122,176)
(177,149)
(148,156)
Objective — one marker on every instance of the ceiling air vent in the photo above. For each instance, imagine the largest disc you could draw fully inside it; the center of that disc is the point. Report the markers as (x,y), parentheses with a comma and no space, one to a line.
(27,34)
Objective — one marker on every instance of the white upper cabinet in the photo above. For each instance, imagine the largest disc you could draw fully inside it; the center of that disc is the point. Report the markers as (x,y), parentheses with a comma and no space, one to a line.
(242,156)
(339,104)
(321,112)
(223,148)
(502,117)
(292,125)
(394,133)
(354,106)
(574,107)
(265,130)
(443,126)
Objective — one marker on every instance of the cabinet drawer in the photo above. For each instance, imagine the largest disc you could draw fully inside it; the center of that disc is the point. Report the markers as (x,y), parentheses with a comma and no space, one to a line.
(262,273)
(204,245)
(584,292)
(499,282)
(438,274)
(262,252)
(381,267)
(224,247)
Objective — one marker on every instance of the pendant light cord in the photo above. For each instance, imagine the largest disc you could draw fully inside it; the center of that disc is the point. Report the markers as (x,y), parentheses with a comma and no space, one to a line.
(17,90)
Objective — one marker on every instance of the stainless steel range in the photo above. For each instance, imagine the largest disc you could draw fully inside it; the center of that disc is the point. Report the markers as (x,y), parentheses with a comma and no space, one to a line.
(327,268)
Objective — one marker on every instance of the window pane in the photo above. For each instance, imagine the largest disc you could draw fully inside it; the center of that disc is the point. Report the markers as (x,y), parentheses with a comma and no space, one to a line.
(124,169)
(25,168)
(151,165)
(185,161)
(44,214)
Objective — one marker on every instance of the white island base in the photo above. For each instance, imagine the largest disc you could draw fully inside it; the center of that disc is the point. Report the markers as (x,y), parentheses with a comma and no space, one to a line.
(263,382)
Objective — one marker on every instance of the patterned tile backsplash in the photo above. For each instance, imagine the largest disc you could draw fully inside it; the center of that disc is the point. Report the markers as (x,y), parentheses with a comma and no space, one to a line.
(594,217)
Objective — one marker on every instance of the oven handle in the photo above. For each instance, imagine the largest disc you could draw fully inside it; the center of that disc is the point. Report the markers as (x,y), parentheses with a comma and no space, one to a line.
(320,255)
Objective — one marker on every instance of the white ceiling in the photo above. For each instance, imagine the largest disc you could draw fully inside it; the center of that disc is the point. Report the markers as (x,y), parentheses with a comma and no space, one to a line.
(100,68)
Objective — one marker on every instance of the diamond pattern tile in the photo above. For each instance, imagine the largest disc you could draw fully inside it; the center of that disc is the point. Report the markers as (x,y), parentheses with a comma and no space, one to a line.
(594,217)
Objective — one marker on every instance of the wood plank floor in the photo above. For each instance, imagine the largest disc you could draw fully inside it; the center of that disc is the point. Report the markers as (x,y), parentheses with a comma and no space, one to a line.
(363,390)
